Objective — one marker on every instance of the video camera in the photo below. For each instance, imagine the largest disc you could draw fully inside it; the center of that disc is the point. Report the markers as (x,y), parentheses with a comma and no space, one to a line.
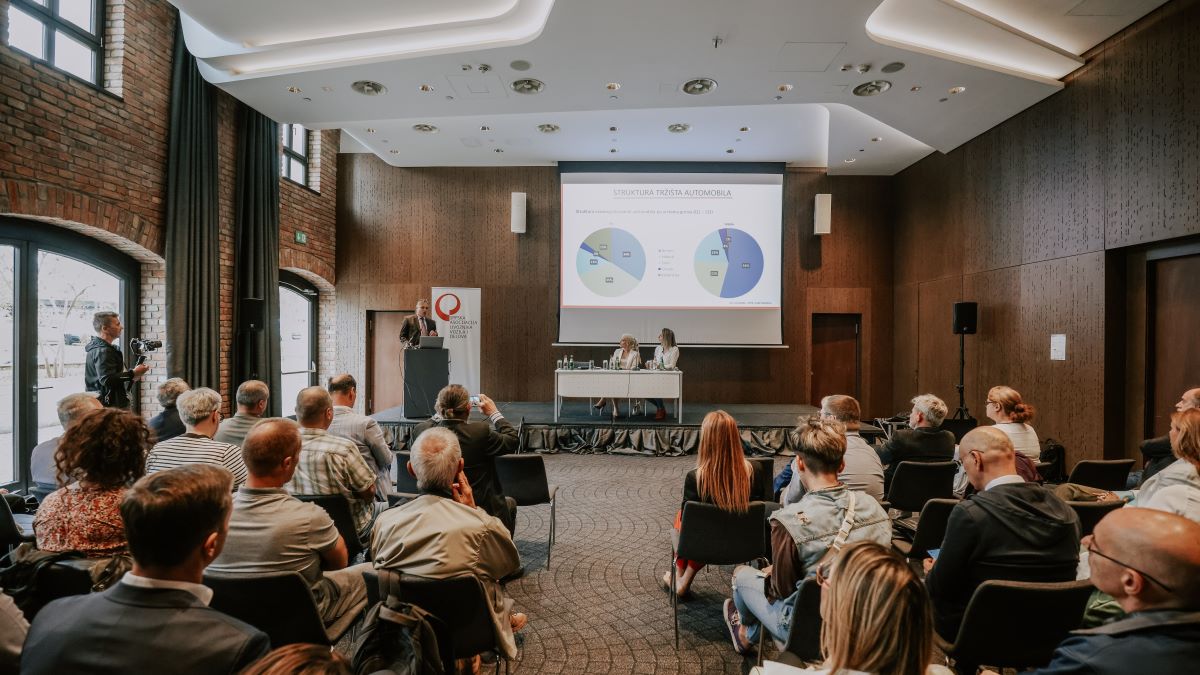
(142,347)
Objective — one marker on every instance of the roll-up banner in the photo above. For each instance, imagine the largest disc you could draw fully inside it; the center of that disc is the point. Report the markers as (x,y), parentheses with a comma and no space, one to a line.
(458,311)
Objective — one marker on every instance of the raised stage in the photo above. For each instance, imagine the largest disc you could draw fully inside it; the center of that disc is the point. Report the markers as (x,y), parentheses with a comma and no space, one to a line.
(766,428)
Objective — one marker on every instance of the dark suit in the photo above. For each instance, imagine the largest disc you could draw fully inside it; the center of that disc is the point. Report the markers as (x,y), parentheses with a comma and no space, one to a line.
(923,444)
(1156,456)
(167,424)
(138,630)
(481,444)
(410,331)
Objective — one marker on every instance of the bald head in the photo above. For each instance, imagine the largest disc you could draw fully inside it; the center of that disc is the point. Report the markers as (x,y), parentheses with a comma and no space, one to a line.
(986,454)
(314,408)
(343,389)
(1151,542)
(269,444)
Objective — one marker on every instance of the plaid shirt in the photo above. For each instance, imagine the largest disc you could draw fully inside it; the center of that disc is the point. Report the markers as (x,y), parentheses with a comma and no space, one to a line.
(331,465)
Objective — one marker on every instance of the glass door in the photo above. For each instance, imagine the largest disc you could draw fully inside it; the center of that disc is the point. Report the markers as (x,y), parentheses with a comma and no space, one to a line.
(297,338)
(8,383)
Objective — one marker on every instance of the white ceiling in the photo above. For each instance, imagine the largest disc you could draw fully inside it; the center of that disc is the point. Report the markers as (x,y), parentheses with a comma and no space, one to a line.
(294,60)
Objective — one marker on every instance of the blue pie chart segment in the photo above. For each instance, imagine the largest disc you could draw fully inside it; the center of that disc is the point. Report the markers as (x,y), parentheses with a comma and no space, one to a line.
(729,263)
(611,262)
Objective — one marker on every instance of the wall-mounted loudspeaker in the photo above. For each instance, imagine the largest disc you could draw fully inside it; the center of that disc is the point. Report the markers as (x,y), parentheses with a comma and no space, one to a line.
(966,318)
(517,220)
(251,314)
(823,214)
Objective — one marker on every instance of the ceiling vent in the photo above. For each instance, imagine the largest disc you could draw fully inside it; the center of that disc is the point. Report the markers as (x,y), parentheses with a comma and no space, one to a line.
(425,128)
(698,86)
(872,88)
(528,86)
(547,128)
(369,88)
(679,128)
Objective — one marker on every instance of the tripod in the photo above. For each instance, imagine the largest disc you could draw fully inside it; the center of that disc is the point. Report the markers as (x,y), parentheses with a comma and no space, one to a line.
(962,413)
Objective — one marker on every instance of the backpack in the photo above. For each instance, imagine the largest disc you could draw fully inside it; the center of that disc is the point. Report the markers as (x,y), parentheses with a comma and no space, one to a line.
(1054,453)
(395,637)
(20,578)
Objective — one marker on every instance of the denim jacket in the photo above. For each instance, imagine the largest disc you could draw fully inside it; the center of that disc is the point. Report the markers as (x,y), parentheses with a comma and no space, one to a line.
(814,521)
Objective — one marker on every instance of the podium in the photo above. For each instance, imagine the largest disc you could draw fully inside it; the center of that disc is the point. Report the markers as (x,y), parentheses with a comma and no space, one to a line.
(426,371)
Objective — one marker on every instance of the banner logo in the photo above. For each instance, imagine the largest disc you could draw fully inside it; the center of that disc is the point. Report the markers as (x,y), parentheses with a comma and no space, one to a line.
(443,313)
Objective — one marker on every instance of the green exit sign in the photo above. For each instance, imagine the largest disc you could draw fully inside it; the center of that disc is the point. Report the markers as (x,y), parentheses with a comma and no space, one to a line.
(301,238)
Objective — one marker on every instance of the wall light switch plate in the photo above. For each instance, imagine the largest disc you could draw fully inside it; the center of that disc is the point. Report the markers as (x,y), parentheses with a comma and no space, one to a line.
(1058,347)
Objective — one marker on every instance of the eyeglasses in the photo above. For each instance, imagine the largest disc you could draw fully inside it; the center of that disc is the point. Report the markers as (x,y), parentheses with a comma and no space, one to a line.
(1092,550)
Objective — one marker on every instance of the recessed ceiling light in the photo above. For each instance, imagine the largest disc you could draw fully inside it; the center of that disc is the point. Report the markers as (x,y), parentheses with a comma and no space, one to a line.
(893,67)
(485,128)
(744,129)
(426,88)
(916,88)
(943,99)
(520,64)
(849,160)
(293,89)
(679,127)
(612,149)
(307,99)
(957,90)
(528,86)
(326,88)
(370,130)
(737,140)
(698,86)
(862,149)
(548,128)
(784,88)
(394,151)
(778,97)
(483,68)
(498,150)
(385,141)
(729,151)
(467,67)
(449,98)
(612,128)
(872,88)
(425,128)
(369,88)
(613,86)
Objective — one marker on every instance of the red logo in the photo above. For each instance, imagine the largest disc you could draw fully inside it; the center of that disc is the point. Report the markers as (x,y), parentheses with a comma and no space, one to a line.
(443,313)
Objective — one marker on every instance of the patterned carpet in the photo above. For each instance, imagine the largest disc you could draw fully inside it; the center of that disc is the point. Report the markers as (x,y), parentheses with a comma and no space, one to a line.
(600,608)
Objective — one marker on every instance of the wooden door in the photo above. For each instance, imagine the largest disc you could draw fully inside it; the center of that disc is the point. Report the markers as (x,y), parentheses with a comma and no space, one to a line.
(835,356)
(1173,364)
(385,367)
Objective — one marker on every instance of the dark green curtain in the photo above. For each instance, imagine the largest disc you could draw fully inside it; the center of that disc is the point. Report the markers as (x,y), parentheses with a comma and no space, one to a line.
(193,276)
(256,262)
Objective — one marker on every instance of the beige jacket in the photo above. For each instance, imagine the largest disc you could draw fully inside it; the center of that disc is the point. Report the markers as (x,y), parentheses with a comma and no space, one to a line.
(434,536)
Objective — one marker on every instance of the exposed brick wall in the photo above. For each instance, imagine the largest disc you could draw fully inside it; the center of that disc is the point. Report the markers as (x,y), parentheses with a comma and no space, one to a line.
(313,213)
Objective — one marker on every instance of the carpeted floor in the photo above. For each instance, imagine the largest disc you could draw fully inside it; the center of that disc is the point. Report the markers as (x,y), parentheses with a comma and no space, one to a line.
(600,608)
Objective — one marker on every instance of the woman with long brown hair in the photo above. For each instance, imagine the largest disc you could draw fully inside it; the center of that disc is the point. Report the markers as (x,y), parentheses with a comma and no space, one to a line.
(722,477)
(99,456)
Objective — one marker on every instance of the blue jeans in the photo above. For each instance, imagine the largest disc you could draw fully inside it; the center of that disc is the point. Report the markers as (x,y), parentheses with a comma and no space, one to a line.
(750,598)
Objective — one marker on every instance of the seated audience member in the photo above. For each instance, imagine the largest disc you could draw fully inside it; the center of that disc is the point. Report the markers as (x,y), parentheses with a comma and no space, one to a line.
(300,659)
(868,590)
(1012,415)
(167,424)
(1177,487)
(200,410)
(156,619)
(41,460)
(331,465)
(99,457)
(1010,530)
(863,470)
(801,534)
(723,477)
(924,441)
(480,443)
(1156,452)
(13,628)
(442,533)
(252,399)
(272,531)
(1149,561)
(363,430)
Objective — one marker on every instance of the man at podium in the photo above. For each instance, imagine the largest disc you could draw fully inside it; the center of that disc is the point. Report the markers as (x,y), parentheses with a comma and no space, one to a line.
(417,326)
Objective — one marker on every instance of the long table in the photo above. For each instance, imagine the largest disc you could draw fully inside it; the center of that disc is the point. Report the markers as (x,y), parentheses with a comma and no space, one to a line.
(618,384)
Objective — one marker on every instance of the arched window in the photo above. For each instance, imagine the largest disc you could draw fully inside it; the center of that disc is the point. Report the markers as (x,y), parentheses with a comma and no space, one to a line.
(51,283)
(297,338)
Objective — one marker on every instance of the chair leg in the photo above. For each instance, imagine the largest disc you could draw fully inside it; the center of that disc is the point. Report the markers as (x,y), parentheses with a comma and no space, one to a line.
(550,544)
(674,601)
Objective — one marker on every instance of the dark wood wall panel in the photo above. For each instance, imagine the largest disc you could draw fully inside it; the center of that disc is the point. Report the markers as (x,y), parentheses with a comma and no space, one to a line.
(937,361)
(404,230)
(905,349)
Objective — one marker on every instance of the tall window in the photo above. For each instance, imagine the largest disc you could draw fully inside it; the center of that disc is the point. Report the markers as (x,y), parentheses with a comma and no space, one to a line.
(51,283)
(294,166)
(297,338)
(67,34)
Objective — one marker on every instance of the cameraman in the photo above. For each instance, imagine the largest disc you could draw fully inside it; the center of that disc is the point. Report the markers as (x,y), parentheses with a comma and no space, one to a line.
(104,370)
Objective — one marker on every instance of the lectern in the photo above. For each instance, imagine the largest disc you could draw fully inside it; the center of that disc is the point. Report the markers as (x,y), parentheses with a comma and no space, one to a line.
(426,371)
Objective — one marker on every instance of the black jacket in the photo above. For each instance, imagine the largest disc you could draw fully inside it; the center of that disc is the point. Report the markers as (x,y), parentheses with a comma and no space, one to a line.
(1015,532)
(1160,642)
(104,371)
(923,444)
(166,424)
(481,444)
(1156,456)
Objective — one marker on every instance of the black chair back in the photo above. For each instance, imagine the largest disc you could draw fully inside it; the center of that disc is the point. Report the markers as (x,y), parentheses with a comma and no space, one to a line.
(764,476)
(804,636)
(931,527)
(405,482)
(1102,474)
(917,482)
(711,535)
(959,427)
(1090,513)
(1013,624)
(59,579)
(461,603)
(523,477)
(10,534)
(279,604)
(338,508)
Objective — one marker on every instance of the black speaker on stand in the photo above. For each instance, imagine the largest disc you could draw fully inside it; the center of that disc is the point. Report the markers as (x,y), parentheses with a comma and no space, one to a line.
(966,322)
(251,320)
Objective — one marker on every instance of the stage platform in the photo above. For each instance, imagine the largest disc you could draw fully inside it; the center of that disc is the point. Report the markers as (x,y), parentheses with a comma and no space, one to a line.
(766,428)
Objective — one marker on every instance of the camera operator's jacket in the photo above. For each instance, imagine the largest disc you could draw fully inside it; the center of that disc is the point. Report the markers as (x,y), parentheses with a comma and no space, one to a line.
(104,372)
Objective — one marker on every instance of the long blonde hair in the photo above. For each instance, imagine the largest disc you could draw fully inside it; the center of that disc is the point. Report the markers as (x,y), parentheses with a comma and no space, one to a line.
(722,471)
(1187,438)
(876,614)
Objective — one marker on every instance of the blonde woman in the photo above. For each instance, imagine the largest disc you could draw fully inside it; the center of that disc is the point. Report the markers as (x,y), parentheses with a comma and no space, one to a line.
(625,357)
(1012,416)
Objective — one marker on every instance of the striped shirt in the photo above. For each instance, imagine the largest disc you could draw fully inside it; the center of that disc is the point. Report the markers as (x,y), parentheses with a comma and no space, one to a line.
(193,448)
(332,465)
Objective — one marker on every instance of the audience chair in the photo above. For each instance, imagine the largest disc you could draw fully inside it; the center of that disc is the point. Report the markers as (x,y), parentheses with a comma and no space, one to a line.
(523,477)
(1014,624)
(804,637)
(712,536)
(406,484)
(279,604)
(915,483)
(1102,474)
(1090,513)
(764,473)
(379,589)
(59,579)
(1043,469)
(14,531)
(931,530)
(338,508)
(459,602)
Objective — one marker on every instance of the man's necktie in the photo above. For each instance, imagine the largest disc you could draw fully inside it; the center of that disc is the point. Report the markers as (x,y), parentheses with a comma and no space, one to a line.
(424,328)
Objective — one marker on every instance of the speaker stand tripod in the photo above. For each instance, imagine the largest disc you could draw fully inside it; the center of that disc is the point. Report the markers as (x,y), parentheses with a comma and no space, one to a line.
(962,413)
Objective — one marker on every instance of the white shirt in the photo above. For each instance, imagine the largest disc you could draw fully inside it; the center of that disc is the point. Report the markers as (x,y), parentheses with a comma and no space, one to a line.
(203,593)
(1023,437)
(629,361)
(668,357)
(1003,480)
(1182,500)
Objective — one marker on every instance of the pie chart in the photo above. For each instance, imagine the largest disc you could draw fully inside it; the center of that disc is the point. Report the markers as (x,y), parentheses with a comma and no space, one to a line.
(729,263)
(611,262)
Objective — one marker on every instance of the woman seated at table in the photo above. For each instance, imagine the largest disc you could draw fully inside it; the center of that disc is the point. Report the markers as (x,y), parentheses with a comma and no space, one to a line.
(666,355)
(722,477)
(625,357)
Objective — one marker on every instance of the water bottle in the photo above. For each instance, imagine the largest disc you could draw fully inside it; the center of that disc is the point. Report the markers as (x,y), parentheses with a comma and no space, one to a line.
(558,364)
(571,362)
